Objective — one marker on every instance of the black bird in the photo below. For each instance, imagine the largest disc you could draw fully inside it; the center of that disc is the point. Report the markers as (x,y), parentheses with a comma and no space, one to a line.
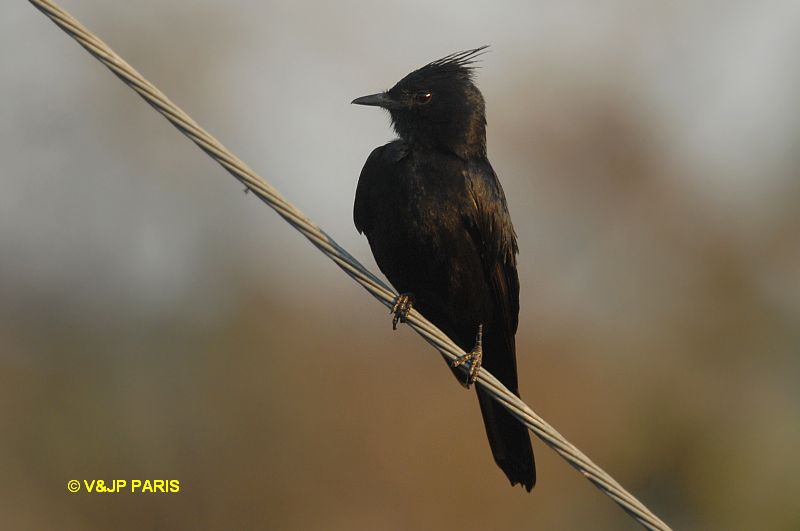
(437,222)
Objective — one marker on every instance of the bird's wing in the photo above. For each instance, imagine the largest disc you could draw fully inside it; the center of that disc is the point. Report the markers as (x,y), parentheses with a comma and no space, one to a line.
(378,166)
(490,227)
(362,208)
(489,224)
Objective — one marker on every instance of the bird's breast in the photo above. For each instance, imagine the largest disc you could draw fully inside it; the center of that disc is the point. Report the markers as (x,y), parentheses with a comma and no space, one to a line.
(418,234)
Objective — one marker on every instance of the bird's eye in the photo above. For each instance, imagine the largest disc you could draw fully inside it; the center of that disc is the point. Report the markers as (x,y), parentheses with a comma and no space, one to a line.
(422,97)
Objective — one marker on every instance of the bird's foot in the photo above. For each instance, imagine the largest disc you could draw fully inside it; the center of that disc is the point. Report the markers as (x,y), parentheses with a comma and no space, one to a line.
(402,305)
(474,357)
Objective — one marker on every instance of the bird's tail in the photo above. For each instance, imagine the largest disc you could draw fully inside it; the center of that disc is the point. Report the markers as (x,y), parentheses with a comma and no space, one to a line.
(509,440)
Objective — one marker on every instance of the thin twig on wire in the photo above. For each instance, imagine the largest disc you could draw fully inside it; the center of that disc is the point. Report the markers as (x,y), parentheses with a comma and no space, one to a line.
(344,260)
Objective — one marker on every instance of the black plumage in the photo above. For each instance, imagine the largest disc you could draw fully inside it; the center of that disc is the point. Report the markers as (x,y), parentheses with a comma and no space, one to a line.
(438,225)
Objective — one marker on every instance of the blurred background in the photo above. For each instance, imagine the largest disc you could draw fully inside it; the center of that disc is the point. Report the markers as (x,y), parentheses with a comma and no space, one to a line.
(156,322)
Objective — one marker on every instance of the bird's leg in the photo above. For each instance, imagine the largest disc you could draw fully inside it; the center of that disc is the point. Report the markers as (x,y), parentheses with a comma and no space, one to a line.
(402,305)
(474,357)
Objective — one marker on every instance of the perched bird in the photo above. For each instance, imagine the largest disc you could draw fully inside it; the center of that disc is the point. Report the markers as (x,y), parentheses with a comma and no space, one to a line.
(437,222)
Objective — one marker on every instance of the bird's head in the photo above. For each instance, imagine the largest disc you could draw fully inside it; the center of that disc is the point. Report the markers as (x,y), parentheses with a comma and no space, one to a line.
(438,105)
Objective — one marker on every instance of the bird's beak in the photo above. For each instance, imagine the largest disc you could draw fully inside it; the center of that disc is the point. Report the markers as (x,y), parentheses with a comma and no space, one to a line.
(380,99)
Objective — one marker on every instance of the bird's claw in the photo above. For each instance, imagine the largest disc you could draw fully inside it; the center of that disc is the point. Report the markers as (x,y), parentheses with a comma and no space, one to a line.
(474,357)
(402,305)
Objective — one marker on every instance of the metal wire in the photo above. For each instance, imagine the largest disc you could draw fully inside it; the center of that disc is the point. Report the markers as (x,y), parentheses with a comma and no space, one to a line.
(344,260)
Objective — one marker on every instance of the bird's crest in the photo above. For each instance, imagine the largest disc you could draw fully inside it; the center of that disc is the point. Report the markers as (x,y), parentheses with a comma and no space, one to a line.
(455,64)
